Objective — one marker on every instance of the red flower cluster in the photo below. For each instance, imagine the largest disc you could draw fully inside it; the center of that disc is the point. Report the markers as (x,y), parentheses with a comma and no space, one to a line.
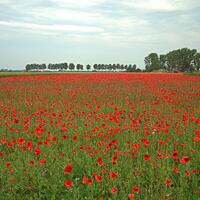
(100,135)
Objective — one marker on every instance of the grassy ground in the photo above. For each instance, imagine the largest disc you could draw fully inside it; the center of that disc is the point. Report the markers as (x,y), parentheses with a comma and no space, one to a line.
(10,74)
(192,73)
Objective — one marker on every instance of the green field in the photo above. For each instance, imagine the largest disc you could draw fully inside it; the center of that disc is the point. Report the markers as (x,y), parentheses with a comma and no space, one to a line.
(7,74)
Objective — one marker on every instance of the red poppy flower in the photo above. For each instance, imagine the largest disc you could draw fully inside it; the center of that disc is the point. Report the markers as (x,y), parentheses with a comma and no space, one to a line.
(103,171)
(175,154)
(114,159)
(74,138)
(84,180)
(195,171)
(64,137)
(42,161)
(198,121)
(89,181)
(68,169)
(187,174)
(131,196)
(100,162)
(147,157)
(10,144)
(159,156)
(31,163)
(113,175)
(21,141)
(136,189)
(7,164)
(68,183)
(114,190)
(37,151)
(175,170)
(3,141)
(185,159)
(98,178)
(168,182)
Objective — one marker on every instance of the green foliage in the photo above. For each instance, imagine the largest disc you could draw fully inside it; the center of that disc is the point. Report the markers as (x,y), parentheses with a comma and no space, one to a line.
(152,62)
(88,67)
(71,66)
(111,67)
(179,60)
(35,66)
(131,68)
(60,66)
(192,73)
(79,67)
(197,61)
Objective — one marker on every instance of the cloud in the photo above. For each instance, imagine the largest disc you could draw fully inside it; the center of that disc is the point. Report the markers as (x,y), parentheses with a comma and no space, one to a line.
(80,3)
(85,16)
(111,20)
(54,27)
(147,24)
(64,15)
(163,5)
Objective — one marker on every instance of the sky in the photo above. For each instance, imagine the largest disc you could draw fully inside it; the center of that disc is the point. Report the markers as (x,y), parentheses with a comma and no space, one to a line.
(94,31)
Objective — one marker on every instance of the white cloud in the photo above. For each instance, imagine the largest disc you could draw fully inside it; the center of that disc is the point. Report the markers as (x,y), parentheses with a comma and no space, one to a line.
(52,28)
(80,3)
(64,15)
(162,5)
(96,24)
(5,2)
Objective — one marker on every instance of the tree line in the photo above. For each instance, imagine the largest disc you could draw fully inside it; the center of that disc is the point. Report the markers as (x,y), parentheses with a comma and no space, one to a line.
(72,66)
(179,60)
(35,66)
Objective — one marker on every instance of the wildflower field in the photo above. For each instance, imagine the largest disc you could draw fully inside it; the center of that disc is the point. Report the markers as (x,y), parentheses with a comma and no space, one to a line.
(100,136)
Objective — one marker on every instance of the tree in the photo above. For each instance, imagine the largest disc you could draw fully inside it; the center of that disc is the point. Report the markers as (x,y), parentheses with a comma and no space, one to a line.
(171,61)
(78,66)
(185,59)
(181,60)
(65,66)
(118,66)
(88,67)
(134,67)
(95,66)
(43,66)
(35,67)
(28,67)
(197,61)
(125,67)
(138,70)
(81,67)
(71,66)
(152,62)
(162,61)
(131,68)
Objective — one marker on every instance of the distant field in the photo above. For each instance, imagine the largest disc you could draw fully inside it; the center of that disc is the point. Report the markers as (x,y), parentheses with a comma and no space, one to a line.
(7,74)
(10,74)
(193,73)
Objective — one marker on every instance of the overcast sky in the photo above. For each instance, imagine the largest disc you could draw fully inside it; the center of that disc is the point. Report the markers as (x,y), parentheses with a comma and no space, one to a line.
(95,31)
